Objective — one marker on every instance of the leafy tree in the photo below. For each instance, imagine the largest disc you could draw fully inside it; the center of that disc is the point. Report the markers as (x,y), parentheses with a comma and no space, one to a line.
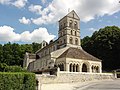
(105,44)
(13,54)
(7,53)
(36,46)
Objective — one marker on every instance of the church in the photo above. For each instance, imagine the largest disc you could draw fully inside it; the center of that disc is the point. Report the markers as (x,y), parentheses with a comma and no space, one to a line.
(64,53)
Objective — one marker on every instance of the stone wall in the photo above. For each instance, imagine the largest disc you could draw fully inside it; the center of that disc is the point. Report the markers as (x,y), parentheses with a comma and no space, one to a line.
(70,77)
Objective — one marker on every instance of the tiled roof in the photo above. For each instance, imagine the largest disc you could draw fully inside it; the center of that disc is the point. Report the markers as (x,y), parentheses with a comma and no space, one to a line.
(78,54)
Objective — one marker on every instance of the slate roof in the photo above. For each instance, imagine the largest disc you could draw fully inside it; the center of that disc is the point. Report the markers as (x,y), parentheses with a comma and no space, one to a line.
(78,54)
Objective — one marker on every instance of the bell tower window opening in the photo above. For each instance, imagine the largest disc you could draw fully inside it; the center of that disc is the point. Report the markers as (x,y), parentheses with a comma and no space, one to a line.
(71,32)
(71,40)
(75,33)
(75,25)
(70,23)
(76,41)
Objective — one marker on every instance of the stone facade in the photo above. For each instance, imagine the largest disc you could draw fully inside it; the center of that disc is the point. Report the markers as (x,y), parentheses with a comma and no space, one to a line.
(65,53)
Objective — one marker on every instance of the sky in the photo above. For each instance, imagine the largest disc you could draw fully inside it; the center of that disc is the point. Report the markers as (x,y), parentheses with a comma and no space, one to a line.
(27,21)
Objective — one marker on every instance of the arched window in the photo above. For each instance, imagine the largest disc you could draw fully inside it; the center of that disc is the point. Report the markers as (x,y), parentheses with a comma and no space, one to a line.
(71,67)
(71,32)
(76,41)
(77,68)
(92,68)
(70,23)
(71,40)
(75,25)
(84,68)
(97,69)
(74,68)
(75,33)
(62,67)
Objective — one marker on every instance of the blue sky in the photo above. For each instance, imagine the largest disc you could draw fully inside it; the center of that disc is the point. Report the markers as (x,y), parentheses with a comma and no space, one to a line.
(27,21)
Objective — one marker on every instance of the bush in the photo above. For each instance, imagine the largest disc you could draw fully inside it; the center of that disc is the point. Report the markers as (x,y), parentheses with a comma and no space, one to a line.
(5,68)
(17,81)
(14,69)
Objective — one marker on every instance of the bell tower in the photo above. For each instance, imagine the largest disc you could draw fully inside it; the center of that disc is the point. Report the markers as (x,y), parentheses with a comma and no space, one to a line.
(69,31)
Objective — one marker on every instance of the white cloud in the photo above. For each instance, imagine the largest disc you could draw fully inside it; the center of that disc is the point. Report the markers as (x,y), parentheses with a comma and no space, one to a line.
(86,9)
(7,34)
(35,8)
(24,20)
(5,1)
(20,3)
(38,35)
(16,3)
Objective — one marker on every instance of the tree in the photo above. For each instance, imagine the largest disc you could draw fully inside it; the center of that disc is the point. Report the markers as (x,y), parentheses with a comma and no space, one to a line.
(105,44)
(17,59)
(13,54)
(36,46)
(7,53)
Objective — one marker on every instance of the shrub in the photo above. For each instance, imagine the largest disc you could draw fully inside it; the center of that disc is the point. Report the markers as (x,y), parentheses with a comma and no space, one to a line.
(5,68)
(17,81)
(14,69)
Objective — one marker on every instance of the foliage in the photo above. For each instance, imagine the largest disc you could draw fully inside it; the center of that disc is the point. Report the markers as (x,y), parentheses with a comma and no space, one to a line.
(29,81)
(5,68)
(13,54)
(17,81)
(105,44)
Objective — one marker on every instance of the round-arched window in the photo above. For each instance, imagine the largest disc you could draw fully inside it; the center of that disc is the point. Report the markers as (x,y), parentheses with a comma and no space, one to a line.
(71,32)
(76,41)
(71,40)
(75,25)
(75,33)
(70,23)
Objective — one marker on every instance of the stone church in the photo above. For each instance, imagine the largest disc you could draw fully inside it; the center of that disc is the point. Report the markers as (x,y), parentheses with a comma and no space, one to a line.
(64,53)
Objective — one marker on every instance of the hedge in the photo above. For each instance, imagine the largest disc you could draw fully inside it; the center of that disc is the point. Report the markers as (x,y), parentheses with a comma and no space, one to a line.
(5,68)
(17,81)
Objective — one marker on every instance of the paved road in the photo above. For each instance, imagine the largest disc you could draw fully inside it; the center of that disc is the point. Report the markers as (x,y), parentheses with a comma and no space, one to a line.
(102,85)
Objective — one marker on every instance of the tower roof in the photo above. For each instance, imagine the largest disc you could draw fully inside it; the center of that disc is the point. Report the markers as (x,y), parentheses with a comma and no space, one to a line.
(71,14)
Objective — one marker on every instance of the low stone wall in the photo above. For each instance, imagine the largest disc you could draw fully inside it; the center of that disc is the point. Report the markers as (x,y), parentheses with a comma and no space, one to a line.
(70,77)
